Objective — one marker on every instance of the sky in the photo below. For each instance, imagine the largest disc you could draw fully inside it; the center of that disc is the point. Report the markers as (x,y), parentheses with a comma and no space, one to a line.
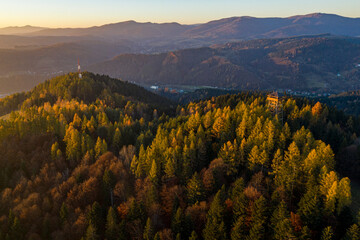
(85,13)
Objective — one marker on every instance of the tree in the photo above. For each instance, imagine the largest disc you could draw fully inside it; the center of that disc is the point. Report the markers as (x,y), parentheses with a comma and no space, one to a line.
(117,141)
(63,213)
(154,173)
(280,223)
(157,236)
(327,233)
(343,194)
(195,189)
(100,147)
(310,209)
(193,236)
(95,217)
(109,181)
(91,233)
(148,230)
(229,153)
(215,227)
(112,228)
(316,109)
(177,224)
(258,219)
(239,229)
(353,232)
(16,230)
(254,157)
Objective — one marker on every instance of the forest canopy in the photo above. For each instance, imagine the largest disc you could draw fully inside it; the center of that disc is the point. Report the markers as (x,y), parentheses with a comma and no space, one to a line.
(97,158)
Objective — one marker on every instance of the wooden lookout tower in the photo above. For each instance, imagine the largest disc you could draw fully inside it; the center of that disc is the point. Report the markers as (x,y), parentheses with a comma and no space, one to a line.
(274,103)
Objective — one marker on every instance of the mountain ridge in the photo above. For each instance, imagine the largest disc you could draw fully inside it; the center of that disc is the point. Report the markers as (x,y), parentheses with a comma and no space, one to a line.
(315,62)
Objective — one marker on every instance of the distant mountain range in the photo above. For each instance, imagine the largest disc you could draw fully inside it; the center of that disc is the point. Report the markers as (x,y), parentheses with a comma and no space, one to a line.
(19,30)
(39,52)
(250,27)
(218,31)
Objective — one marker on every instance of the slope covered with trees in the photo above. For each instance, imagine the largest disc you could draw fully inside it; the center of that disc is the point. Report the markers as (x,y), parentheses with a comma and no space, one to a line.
(90,88)
(79,164)
(321,63)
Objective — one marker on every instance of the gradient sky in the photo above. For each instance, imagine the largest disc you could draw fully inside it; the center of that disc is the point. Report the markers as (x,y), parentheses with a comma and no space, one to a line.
(84,13)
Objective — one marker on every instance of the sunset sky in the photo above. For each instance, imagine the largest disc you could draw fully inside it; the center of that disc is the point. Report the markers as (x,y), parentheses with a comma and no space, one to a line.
(83,13)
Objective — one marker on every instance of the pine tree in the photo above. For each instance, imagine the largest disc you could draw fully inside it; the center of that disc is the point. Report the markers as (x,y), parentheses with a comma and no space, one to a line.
(310,207)
(258,219)
(117,141)
(214,227)
(100,147)
(237,188)
(148,230)
(254,157)
(177,224)
(109,181)
(157,236)
(16,230)
(239,231)
(63,213)
(111,225)
(239,206)
(193,236)
(154,173)
(95,216)
(343,194)
(91,233)
(195,189)
(280,223)
(327,233)
(54,149)
(305,233)
(353,233)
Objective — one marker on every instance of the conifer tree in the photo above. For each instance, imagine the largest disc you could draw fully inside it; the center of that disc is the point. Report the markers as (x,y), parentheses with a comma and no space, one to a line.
(258,219)
(63,213)
(109,181)
(353,232)
(177,224)
(91,233)
(214,227)
(193,236)
(280,222)
(327,233)
(111,225)
(148,230)
(157,236)
(195,189)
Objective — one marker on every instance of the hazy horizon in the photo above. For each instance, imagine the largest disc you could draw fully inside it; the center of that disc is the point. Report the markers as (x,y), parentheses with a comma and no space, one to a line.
(56,14)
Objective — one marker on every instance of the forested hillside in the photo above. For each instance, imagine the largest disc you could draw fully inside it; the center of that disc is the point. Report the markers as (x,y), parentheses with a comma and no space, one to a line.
(320,63)
(86,159)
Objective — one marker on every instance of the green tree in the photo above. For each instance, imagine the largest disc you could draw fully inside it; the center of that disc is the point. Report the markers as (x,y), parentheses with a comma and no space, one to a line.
(100,147)
(148,230)
(258,219)
(154,172)
(327,233)
(63,213)
(95,216)
(195,189)
(281,224)
(177,224)
(109,182)
(112,228)
(91,233)
(193,236)
(353,232)
(215,227)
